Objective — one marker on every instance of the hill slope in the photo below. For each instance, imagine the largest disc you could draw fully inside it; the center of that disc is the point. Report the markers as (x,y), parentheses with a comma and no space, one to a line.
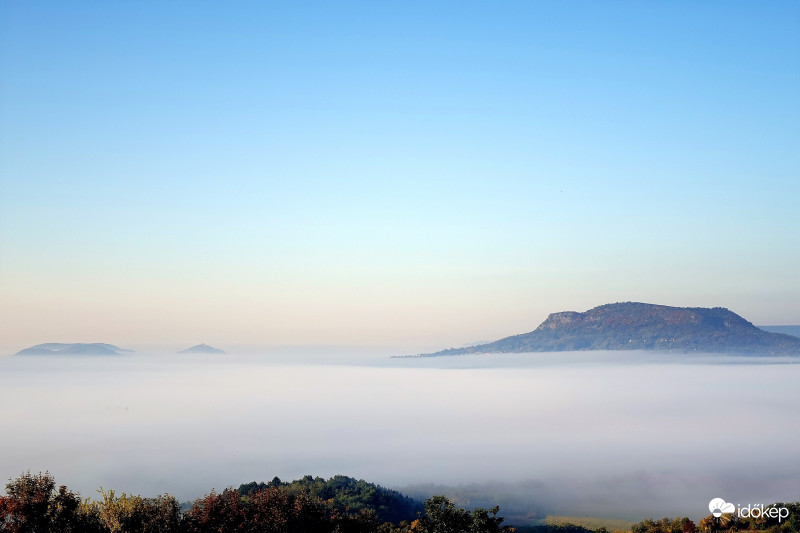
(641,326)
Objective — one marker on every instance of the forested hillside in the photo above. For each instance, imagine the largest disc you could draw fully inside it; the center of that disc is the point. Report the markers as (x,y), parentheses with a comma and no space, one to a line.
(348,495)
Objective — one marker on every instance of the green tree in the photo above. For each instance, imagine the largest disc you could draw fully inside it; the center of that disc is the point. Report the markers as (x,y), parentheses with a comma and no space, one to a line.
(442,516)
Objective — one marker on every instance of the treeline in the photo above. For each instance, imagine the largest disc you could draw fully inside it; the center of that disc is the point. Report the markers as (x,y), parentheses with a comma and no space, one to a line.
(33,504)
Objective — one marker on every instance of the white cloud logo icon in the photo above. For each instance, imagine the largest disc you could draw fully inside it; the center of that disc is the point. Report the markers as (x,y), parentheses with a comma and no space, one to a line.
(718,506)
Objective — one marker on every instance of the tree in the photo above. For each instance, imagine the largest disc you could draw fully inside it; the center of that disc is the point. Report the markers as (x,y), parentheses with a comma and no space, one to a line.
(25,509)
(217,513)
(67,513)
(484,521)
(276,510)
(33,505)
(135,514)
(442,516)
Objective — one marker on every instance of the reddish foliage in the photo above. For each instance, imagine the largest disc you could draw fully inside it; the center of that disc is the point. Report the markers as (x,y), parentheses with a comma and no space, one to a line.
(217,513)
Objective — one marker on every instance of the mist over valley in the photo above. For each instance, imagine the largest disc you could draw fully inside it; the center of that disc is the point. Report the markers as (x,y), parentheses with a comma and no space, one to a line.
(617,434)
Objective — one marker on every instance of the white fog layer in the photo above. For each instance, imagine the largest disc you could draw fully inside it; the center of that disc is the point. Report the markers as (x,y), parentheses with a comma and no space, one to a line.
(628,435)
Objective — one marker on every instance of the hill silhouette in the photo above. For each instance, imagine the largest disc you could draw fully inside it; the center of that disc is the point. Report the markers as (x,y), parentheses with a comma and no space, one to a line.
(642,326)
(202,348)
(75,348)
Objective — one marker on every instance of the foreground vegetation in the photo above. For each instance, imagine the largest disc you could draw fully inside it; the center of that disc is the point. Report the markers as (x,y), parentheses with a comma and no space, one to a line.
(34,504)
(310,505)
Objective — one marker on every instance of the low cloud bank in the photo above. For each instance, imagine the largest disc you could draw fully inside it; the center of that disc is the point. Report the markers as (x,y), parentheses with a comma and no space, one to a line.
(569,434)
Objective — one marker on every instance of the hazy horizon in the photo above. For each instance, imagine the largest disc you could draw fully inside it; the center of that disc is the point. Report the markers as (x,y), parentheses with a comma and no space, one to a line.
(300,349)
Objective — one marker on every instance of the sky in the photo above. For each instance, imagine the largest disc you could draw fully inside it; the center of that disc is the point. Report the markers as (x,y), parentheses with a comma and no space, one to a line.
(390,174)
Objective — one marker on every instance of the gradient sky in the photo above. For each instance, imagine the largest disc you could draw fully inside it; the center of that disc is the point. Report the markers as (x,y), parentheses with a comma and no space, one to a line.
(407,174)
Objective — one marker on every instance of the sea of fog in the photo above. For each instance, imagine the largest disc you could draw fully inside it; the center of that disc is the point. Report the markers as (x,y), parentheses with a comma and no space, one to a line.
(615,434)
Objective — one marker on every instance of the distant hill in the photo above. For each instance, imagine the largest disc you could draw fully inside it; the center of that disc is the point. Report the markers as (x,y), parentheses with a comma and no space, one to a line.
(641,326)
(75,348)
(202,348)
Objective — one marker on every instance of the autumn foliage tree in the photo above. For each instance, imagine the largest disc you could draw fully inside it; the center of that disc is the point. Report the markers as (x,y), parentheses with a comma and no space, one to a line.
(217,513)
(135,514)
(33,505)
(274,510)
(27,504)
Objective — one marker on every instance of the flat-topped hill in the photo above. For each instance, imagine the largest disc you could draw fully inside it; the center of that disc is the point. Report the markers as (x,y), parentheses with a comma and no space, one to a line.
(641,326)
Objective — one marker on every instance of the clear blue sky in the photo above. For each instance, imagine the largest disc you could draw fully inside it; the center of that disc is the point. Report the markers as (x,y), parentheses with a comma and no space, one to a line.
(391,173)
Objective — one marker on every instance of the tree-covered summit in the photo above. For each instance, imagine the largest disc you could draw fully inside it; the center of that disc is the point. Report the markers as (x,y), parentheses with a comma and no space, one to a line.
(348,495)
